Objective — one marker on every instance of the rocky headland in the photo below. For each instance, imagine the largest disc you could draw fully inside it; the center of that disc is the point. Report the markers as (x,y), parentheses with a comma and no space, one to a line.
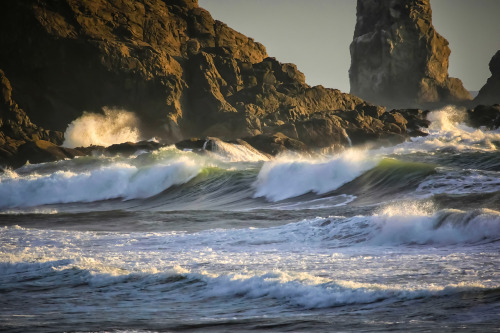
(184,75)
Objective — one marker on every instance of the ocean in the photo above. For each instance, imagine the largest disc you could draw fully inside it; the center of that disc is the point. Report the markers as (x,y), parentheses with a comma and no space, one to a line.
(370,239)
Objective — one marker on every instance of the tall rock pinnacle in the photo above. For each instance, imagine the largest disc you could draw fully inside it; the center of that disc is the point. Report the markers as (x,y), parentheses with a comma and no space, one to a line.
(490,92)
(398,58)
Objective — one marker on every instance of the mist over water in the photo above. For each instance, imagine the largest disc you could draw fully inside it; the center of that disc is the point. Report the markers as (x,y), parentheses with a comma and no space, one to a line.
(402,238)
(114,126)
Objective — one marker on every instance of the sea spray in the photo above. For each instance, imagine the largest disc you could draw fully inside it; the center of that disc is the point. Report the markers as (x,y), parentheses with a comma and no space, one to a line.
(448,131)
(417,223)
(114,126)
(234,152)
(287,177)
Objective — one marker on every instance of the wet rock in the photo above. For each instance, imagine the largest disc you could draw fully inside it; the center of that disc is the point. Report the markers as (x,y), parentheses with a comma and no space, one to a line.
(190,144)
(41,151)
(485,115)
(130,148)
(415,118)
(275,144)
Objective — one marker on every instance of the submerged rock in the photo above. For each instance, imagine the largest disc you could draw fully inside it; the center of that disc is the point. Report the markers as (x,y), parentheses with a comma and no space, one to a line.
(397,57)
(490,92)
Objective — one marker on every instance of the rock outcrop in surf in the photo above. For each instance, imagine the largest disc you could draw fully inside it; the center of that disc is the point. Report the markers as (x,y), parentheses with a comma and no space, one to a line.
(398,58)
(20,139)
(490,92)
(181,72)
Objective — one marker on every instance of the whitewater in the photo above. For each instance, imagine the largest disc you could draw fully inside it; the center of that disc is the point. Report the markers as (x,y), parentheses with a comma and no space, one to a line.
(402,238)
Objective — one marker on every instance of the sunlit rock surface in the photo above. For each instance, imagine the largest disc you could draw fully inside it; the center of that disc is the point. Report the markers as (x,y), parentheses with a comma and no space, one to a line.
(398,58)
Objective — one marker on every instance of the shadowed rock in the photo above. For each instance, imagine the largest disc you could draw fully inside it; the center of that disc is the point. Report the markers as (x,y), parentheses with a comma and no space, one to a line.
(490,92)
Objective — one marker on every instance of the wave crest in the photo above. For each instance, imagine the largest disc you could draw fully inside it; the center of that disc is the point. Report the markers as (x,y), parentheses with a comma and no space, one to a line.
(288,177)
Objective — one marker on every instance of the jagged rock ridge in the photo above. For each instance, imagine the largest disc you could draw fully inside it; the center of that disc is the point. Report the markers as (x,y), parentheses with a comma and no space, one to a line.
(183,73)
(398,58)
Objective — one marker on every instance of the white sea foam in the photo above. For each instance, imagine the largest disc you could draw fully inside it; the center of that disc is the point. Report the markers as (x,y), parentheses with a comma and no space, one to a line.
(412,223)
(305,293)
(232,152)
(452,181)
(114,126)
(118,180)
(448,131)
(286,177)
(292,288)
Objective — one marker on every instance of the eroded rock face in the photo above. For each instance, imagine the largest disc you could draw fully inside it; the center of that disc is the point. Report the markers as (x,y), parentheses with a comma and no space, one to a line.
(16,128)
(83,55)
(490,92)
(397,57)
(183,73)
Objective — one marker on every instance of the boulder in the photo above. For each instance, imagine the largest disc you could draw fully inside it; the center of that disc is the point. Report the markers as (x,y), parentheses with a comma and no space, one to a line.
(41,151)
(275,144)
(130,148)
(397,57)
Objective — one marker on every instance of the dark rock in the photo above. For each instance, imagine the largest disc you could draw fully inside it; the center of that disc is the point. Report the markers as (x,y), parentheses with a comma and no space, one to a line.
(416,118)
(18,134)
(136,55)
(190,144)
(490,92)
(322,132)
(275,144)
(397,57)
(485,115)
(417,133)
(130,148)
(41,151)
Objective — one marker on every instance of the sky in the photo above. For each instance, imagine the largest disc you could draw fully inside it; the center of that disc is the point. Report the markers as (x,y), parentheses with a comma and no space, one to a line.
(316,34)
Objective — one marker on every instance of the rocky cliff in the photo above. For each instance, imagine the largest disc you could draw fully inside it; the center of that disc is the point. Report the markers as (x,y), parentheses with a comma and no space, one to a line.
(490,92)
(183,73)
(398,58)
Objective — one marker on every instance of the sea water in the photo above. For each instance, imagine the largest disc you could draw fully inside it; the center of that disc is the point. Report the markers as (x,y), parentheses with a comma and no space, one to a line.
(402,238)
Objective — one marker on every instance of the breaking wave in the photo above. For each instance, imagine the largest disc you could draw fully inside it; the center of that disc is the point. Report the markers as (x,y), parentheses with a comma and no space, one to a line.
(114,126)
(118,180)
(287,177)
(298,290)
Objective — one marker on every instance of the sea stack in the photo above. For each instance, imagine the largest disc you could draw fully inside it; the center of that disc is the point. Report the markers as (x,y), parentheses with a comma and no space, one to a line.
(397,57)
(490,92)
